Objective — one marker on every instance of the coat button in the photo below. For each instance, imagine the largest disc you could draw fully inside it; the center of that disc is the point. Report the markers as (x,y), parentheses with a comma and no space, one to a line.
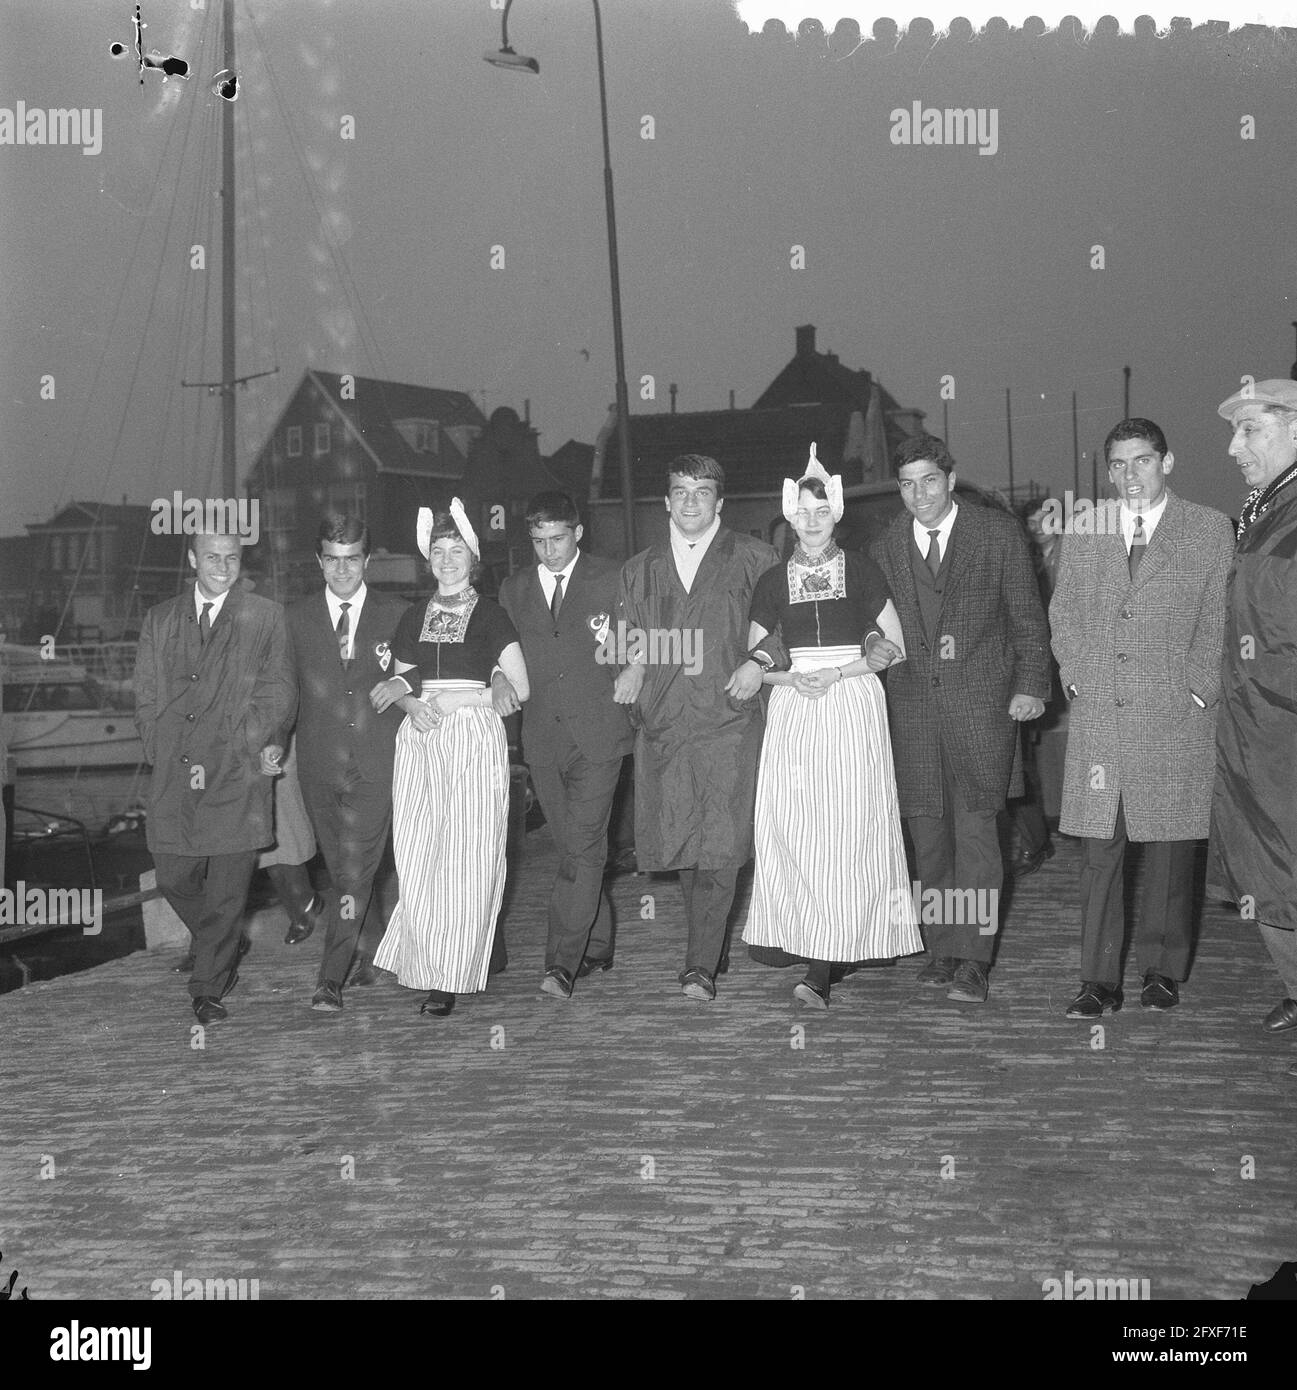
(183,758)
(1125,612)
(193,677)
(190,717)
(1120,703)
(936,680)
(1121,656)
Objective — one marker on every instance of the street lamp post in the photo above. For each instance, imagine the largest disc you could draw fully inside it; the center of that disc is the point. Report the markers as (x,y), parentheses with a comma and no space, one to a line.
(516,62)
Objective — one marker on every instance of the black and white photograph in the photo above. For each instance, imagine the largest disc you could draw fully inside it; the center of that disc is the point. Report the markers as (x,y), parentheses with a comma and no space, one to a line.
(649,654)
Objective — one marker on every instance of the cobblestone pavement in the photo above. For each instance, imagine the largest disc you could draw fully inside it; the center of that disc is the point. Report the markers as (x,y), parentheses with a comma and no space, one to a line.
(634,1143)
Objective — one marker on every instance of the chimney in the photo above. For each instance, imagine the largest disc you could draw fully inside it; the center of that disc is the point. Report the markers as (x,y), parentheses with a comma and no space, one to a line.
(526,412)
(731,398)
(806,340)
(673,388)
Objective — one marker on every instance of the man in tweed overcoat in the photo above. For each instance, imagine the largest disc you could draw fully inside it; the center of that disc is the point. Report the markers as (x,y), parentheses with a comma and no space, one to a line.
(977,665)
(1138,619)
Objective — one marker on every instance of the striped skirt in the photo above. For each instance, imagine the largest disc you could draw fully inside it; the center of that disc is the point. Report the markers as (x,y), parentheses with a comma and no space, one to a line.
(831,878)
(450,803)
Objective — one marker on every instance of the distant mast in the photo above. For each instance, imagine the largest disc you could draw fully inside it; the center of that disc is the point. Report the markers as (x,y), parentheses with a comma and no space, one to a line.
(229,478)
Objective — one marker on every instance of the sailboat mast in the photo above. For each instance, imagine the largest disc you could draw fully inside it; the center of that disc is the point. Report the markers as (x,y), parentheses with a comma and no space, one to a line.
(229,478)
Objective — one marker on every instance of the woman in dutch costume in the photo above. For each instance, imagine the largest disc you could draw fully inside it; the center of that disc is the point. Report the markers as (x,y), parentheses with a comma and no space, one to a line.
(450,791)
(832,887)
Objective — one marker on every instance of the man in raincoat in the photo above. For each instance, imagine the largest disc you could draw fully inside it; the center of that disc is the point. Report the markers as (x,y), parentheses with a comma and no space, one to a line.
(1252,859)
(698,726)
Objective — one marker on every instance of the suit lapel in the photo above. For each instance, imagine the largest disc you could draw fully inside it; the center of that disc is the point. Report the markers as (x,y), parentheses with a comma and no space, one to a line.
(906,592)
(1169,530)
(965,545)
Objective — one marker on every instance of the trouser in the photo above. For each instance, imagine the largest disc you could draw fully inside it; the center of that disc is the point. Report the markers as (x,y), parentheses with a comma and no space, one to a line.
(709,896)
(209,894)
(1281,942)
(352,820)
(958,854)
(576,794)
(292,887)
(1165,928)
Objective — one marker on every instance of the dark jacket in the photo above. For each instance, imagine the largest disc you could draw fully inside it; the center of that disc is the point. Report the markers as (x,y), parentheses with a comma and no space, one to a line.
(204,714)
(571,692)
(1253,855)
(990,643)
(338,733)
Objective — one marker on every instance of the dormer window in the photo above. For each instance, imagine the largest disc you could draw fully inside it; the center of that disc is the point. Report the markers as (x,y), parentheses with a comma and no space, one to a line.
(423,436)
(293,441)
(322,437)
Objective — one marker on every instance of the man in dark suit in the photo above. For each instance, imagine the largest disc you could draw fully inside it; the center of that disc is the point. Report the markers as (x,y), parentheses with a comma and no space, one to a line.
(1138,621)
(340,639)
(574,736)
(213,687)
(977,665)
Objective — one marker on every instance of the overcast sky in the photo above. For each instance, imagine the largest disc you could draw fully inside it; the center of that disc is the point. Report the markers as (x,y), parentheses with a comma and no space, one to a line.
(921,261)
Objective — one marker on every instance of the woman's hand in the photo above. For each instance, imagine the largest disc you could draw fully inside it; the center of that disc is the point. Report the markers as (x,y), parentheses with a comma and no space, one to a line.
(424,715)
(815,684)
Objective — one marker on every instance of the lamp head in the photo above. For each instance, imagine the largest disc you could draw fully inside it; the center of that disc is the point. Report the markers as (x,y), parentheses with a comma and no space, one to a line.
(516,62)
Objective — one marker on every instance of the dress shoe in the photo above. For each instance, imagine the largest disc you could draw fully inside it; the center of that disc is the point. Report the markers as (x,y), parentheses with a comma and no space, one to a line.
(811,995)
(592,967)
(1092,1000)
(244,947)
(301,927)
(723,965)
(209,1010)
(364,974)
(1027,861)
(328,998)
(969,984)
(940,970)
(1160,992)
(438,1004)
(558,983)
(698,984)
(1282,1017)
(185,965)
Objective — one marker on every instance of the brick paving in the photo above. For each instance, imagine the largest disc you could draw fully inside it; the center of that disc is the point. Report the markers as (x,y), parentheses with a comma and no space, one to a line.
(632,1143)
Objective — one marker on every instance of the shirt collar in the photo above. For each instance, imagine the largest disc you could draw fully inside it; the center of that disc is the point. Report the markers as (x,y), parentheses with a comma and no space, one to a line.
(357,602)
(217,603)
(942,528)
(1151,517)
(549,577)
(698,546)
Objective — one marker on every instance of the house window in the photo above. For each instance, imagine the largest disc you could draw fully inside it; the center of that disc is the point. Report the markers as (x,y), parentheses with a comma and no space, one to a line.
(322,437)
(427,437)
(293,441)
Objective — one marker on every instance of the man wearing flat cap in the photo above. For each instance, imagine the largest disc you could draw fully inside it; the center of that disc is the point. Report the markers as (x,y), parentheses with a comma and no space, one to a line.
(1252,859)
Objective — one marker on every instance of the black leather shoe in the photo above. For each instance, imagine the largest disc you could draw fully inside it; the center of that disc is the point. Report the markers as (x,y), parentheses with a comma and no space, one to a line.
(209,1010)
(364,974)
(1093,1000)
(969,984)
(244,947)
(1282,1017)
(592,967)
(1160,992)
(558,983)
(303,926)
(698,984)
(328,998)
(811,995)
(438,1004)
(185,965)
(940,970)
(1026,861)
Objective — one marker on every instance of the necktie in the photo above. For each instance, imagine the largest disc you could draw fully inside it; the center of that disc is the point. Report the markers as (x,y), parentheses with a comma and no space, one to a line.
(934,554)
(344,632)
(205,624)
(556,599)
(1138,545)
